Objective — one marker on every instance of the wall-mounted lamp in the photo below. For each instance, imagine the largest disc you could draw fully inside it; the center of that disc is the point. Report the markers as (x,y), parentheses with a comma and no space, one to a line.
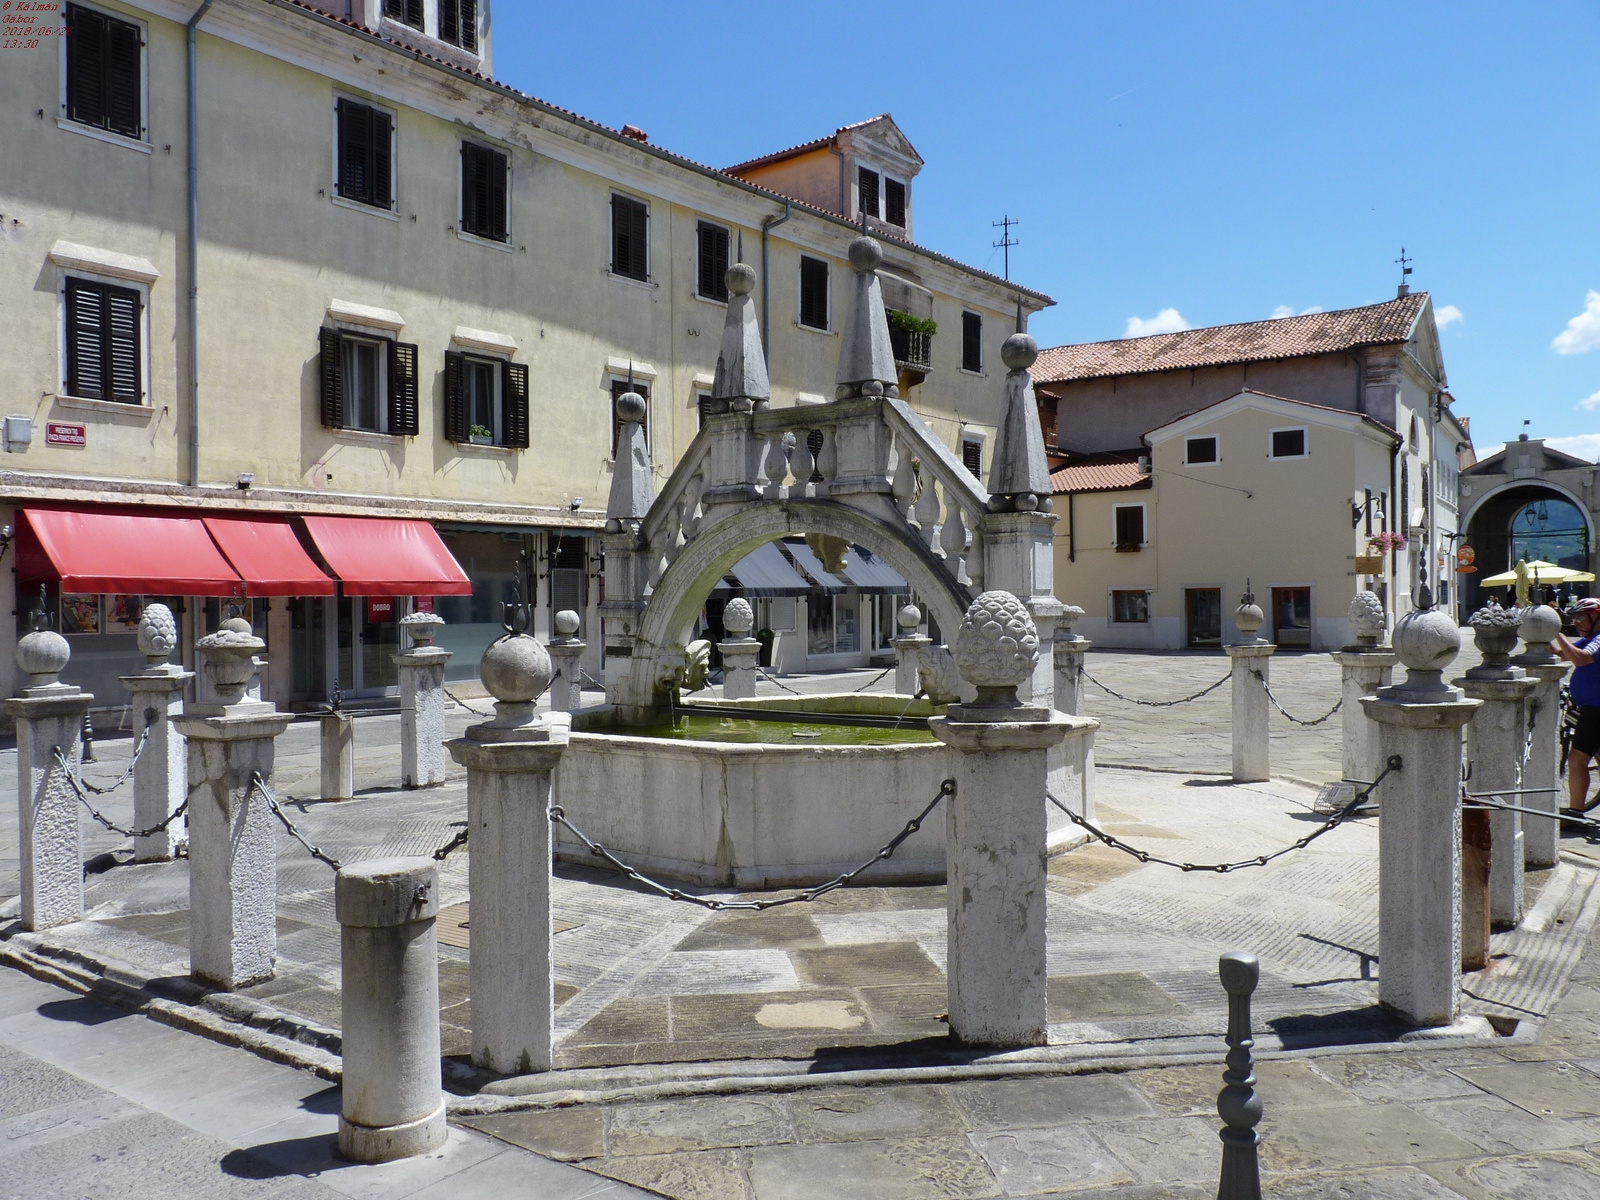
(6,535)
(1357,511)
(575,503)
(246,478)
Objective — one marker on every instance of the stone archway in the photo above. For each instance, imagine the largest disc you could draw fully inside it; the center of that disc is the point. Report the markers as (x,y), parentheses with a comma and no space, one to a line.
(683,587)
(1489,530)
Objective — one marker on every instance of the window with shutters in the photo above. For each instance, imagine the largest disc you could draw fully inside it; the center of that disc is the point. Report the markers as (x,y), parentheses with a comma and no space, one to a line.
(364,172)
(105,341)
(972,456)
(458,24)
(894,202)
(485,187)
(369,383)
(1129,526)
(618,387)
(406,12)
(866,192)
(813,292)
(104,72)
(486,400)
(630,237)
(971,341)
(703,405)
(712,261)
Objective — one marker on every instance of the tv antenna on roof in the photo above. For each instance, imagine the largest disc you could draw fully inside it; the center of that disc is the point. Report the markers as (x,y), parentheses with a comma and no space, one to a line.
(1006,240)
(1405,269)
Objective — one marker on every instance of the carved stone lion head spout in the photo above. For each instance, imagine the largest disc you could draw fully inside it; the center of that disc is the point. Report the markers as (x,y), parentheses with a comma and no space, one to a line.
(690,674)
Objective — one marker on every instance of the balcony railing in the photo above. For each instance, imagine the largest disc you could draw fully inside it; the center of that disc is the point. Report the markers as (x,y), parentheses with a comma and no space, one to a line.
(912,350)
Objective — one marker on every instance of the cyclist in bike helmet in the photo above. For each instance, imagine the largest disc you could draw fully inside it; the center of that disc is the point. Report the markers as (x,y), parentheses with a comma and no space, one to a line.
(1582,652)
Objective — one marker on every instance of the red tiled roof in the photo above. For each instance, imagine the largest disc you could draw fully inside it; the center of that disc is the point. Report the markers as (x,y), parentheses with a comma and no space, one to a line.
(1251,341)
(803,147)
(1114,471)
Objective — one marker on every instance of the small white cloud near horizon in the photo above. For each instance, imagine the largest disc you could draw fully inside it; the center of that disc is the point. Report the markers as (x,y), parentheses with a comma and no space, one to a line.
(1287,310)
(1448,315)
(1168,320)
(1583,331)
(1589,404)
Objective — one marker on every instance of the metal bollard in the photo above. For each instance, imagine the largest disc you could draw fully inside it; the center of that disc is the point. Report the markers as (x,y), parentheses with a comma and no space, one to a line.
(88,738)
(1238,1104)
(389,999)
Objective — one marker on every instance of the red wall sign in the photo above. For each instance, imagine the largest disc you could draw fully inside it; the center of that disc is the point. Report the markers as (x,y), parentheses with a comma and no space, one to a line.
(379,609)
(424,603)
(61,433)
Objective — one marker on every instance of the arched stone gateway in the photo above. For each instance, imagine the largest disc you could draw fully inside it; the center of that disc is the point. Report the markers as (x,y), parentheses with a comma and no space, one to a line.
(864,468)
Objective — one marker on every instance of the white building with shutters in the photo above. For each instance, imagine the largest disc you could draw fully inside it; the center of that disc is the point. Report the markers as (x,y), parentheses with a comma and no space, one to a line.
(414,297)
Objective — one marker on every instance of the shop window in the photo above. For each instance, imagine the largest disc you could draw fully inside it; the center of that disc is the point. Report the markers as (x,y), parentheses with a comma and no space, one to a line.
(1291,616)
(1203,608)
(1130,607)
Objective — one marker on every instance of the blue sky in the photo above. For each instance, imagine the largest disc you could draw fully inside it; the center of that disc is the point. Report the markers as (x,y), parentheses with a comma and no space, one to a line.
(1223,160)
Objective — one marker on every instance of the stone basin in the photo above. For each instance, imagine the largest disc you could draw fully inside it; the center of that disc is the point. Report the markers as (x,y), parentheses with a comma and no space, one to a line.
(783,811)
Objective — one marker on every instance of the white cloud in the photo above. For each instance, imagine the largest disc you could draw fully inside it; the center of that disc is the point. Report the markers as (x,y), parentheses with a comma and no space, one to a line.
(1448,315)
(1583,331)
(1168,320)
(1287,310)
(1591,403)
(1584,445)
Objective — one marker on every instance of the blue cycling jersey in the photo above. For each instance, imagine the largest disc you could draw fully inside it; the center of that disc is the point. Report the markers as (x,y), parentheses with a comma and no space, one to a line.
(1585,683)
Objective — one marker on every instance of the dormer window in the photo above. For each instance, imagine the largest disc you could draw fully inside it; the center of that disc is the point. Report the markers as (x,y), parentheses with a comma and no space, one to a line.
(867,191)
(407,12)
(894,202)
(458,24)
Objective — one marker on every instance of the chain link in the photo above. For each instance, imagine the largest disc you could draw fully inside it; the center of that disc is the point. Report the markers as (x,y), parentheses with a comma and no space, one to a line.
(450,847)
(465,705)
(1260,860)
(762,671)
(558,815)
(874,679)
(102,790)
(1555,814)
(1265,687)
(1084,672)
(77,790)
(258,784)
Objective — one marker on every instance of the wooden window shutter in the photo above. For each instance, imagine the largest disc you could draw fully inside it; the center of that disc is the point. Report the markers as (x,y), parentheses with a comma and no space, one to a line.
(630,238)
(814,293)
(414,13)
(124,378)
(395,10)
(618,388)
(867,190)
(403,389)
(355,136)
(619,236)
(456,425)
(713,262)
(380,164)
(971,341)
(474,202)
(514,405)
(972,458)
(499,172)
(332,385)
(85,340)
(894,202)
(450,22)
(469,26)
(122,79)
(86,66)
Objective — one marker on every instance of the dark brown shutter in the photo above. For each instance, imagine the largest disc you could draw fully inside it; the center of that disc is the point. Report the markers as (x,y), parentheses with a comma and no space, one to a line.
(469,26)
(618,388)
(395,10)
(380,168)
(894,202)
(456,427)
(629,238)
(449,22)
(971,341)
(414,13)
(403,389)
(124,376)
(499,227)
(814,293)
(355,136)
(713,261)
(86,65)
(85,340)
(122,79)
(972,457)
(332,386)
(514,405)
(473,199)
(867,191)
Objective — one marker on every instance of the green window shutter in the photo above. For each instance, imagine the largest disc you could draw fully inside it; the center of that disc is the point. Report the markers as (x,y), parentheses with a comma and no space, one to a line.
(332,386)
(85,339)
(122,79)
(122,355)
(403,389)
(514,405)
(456,425)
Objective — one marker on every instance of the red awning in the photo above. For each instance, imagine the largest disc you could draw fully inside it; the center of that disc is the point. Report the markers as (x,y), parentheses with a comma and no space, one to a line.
(268,556)
(377,557)
(122,552)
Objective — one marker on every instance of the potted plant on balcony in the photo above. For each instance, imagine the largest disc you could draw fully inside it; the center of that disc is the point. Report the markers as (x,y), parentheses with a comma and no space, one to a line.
(911,337)
(481,435)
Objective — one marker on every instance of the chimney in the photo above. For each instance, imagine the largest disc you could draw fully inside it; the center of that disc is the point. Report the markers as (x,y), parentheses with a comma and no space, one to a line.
(634,132)
(1403,290)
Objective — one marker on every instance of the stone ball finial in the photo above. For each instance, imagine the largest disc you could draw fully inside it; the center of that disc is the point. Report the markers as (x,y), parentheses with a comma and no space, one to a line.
(865,254)
(630,406)
(1366,618)
(737,617)
(229,658)
(1068,617)
(908,618)
(1248,617)
(1018,352)
(516,669)
(741,279)
(567,622)
(1540,624)
(422,626)
(42,655)
(238,625)
(997,647)
(158,633)
(1426,641)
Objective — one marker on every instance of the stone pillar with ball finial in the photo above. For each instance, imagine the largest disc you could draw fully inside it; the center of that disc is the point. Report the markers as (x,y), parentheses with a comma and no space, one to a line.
(511,762)
(1018,531)
(1252,759)
(996,829)
(1072,772)
(160,776)
(1365,665)
(910,649)
(49,715)
(1420,724)
(1542,836)
(566,657)
(738,388)
(628,560)
(740,652)
(1068,650)
(1495,740)
(233,834)
(422,702)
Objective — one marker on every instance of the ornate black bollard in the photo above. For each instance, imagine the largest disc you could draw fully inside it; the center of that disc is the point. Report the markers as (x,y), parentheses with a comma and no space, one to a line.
(1238,1104)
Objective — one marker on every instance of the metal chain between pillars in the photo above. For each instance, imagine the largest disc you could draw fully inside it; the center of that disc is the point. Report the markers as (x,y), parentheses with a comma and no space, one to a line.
(1084,671)
(1260,860)
(1297,720)
(1485,800)
(874,679)
(258,784)
(74,782)
(450,847)
(762,671)
(465,705)
(947,788)
(1239,1104)
(105,789)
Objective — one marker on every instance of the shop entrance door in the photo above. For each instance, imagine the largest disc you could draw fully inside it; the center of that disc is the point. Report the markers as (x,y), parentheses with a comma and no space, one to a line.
(1291,616)
(369,638)
(1203,607)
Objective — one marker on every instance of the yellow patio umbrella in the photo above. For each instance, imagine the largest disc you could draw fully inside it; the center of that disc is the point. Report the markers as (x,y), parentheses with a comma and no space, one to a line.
(1540,572)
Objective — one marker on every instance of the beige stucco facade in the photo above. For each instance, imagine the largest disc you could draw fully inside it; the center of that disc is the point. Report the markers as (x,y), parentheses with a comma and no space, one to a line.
(282,257)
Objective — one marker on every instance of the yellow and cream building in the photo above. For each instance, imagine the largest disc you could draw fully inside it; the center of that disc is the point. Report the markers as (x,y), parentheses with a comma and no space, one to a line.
(413,296)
